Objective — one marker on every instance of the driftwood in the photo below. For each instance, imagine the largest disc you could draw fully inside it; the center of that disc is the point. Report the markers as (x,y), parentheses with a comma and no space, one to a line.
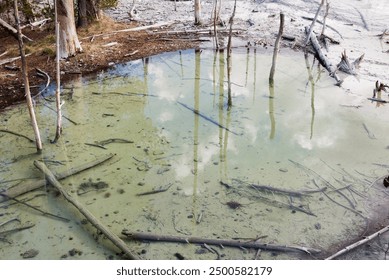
(221,242)
(323,59)
(36,184)
(359,243)
(205,117)
(330,27)
(349,67)
(12,30)
(90,217)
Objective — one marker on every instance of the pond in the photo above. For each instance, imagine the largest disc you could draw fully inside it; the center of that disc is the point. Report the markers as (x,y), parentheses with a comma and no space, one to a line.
(295,164)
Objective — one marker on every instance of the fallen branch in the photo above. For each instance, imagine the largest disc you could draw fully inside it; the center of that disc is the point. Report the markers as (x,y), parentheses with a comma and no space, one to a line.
(359,243)
(220,242)
(43,73)
(12,30)
(323,59)
(12,59)
(90,217)
(36,184)
(205,117)
(140,28)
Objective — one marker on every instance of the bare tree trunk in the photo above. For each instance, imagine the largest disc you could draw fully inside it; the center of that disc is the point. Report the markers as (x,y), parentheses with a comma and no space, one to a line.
(276,49)
(82,14)
(34,123)
(69,43)
(197,8)
(58,80)
(229,66)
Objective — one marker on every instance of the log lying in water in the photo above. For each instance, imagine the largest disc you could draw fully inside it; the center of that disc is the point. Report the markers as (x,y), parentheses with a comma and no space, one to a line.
(222,242)
(84,211)
(36,184)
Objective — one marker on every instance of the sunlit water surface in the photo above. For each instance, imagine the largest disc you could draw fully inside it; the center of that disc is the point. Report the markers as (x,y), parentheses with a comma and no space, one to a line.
(302,135)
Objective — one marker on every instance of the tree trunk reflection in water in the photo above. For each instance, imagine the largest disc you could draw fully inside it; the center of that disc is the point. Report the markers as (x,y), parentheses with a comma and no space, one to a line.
(271,111)
(312,82)
(145,62)
(196,120)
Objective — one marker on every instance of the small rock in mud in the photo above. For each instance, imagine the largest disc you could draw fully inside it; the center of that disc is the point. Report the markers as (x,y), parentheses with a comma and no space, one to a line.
(283,170)
(317,226)
(30,254)
(74,252)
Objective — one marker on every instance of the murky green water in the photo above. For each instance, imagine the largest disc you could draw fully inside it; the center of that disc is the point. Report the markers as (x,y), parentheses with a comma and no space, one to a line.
(302,135)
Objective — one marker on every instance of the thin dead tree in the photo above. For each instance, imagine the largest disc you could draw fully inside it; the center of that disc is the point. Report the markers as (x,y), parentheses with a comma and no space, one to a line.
(313,23)
(214,24)
(229,66)
(58,78)
(276,49)
(197,10)
(30,106)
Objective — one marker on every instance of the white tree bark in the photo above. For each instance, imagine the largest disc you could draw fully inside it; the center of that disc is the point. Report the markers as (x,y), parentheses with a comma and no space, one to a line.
(69,43)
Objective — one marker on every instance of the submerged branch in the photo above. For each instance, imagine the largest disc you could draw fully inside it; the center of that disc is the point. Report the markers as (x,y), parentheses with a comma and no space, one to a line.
(88,215)
(220,242)
(205,117)
(38,183)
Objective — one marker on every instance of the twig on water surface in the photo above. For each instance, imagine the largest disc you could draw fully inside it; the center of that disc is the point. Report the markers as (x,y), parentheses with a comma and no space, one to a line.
(220,242)
(90,217)
(359,243)
(36,209)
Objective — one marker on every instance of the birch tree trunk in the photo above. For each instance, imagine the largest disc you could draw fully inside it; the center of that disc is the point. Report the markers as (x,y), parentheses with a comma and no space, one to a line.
(197,8)
(69,43)
(34,123)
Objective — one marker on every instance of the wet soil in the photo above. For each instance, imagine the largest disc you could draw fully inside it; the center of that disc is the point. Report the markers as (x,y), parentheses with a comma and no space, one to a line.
(95,56)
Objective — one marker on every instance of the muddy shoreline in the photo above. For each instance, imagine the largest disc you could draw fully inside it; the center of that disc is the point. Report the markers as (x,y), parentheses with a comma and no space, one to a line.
(257,22)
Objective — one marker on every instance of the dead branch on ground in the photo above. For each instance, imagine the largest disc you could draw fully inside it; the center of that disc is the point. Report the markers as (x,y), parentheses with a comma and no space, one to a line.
(12,30)
(323,59)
